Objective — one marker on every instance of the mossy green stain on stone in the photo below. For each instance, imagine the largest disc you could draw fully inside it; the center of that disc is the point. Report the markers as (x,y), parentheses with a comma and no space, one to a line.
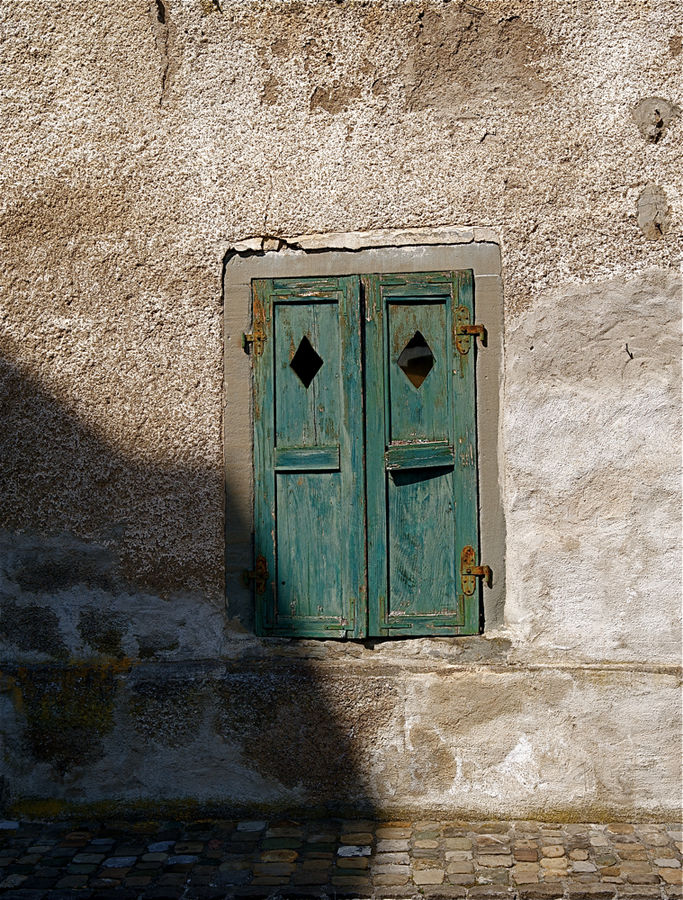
(68,711)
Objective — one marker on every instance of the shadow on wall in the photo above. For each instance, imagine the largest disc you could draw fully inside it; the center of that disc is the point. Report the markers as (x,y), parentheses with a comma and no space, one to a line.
(123,679)
(158,526)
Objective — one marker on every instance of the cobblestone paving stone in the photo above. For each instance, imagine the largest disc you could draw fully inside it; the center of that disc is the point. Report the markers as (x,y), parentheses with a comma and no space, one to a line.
(212,859)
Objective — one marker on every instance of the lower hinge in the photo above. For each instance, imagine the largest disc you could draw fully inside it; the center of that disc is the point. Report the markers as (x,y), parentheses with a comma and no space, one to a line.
(259,575)
(469,572)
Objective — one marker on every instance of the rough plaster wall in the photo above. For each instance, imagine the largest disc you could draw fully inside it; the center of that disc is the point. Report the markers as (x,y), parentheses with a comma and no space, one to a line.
(592,436)
(142,139)
(136,150)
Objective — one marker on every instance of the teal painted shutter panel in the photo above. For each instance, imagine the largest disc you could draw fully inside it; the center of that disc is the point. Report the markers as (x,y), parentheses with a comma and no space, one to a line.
(308,458)
(420,454)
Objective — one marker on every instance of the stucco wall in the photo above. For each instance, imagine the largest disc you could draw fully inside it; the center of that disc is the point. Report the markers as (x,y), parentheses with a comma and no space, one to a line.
(143,144)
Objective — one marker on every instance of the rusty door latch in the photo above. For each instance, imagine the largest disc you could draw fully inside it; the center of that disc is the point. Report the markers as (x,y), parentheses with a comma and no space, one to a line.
(259,575)
(469,572)
(465,331)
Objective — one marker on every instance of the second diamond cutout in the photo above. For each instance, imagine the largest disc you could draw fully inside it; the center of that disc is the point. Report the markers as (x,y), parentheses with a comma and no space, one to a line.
(416,359)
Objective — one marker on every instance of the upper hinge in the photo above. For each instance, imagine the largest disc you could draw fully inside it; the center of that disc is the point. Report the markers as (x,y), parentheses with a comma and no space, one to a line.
(257,337)
(469,572)
(465,331)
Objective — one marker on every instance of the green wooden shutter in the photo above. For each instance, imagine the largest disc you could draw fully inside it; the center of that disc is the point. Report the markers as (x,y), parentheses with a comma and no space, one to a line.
(420,454)
(308,466)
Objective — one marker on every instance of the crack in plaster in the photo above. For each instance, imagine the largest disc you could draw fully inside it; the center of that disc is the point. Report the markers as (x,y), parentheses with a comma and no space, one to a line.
(163,29)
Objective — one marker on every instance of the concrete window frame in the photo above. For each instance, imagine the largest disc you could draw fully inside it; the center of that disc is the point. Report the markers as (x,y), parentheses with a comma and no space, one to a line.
(419,250)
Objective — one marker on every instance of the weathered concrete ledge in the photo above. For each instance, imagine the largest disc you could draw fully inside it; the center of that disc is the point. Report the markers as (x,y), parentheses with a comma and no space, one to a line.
(290,732)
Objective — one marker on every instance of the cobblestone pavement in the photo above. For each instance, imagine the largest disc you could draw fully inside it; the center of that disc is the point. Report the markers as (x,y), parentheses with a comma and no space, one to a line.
(334,858)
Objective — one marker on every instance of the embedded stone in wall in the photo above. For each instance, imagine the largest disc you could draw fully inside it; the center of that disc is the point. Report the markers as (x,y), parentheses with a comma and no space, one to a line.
(654,213)
(102,630)
(653,115)
(31,627)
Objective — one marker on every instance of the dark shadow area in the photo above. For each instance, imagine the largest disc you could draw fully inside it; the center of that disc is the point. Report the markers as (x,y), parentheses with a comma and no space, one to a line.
(110,568)
(160,524)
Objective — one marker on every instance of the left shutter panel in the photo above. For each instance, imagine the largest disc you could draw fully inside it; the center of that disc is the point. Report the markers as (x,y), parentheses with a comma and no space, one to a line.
(308,458)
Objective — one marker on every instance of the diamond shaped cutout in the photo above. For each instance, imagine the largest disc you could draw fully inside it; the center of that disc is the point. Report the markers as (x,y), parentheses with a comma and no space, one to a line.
(416,359)
(306,362)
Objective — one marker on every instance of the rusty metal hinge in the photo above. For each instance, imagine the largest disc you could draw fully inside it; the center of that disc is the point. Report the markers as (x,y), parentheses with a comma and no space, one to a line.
(465,331)
(259,575)
(257,337)
(469,572)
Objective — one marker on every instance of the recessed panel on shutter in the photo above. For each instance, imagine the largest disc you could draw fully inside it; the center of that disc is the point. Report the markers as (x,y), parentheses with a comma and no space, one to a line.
(309,482)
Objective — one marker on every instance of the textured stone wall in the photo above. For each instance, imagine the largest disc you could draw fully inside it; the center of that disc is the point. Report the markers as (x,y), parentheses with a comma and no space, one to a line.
(142,143)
